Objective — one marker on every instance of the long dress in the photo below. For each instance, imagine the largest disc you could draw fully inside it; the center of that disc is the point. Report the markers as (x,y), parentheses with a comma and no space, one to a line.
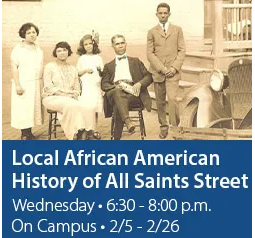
(72,114)
(91,83)
(26,109)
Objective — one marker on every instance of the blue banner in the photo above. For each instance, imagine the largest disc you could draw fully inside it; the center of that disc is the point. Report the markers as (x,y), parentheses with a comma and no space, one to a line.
(92,189)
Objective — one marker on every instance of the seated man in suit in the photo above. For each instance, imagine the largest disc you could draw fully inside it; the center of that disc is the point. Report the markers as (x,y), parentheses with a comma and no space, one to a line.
(121,73)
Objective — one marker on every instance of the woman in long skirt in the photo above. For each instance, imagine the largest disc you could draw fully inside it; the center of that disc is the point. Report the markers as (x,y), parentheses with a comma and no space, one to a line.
(26,62)
(61,91)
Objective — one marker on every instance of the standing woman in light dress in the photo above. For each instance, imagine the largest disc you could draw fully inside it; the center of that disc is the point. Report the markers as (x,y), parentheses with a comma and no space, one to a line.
(90,66)
(26,64)
(60,93)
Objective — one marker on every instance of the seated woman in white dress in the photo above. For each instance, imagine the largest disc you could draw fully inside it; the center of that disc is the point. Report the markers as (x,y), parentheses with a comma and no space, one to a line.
(60,93)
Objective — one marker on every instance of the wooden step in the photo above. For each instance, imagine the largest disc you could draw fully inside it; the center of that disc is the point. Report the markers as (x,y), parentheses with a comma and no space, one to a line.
(199,59)
(195,74)
(205,59)
(183,86)
(190,69)
(186,84)
(153,97)
(154,105)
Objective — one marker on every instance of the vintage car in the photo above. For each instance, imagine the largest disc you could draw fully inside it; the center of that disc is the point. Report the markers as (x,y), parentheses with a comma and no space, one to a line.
(220,109)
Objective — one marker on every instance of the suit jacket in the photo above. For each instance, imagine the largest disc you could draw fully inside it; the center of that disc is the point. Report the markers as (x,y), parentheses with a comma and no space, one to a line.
(138,73)
(165,50)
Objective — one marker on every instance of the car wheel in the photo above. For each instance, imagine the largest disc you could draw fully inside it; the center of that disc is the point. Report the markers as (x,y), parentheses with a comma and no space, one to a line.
(247,121)
(189,116)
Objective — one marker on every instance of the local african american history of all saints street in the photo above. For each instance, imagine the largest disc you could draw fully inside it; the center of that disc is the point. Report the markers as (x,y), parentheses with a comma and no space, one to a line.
(121,180)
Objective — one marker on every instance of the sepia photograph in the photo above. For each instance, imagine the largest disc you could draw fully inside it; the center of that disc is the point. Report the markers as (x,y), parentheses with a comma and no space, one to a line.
(169,80)
(126,70)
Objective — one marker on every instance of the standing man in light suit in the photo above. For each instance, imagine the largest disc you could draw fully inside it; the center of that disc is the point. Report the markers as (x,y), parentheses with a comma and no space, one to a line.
(166,53)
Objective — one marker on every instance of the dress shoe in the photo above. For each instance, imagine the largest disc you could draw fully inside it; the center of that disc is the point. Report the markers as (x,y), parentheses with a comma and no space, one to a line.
(163,134)
(97,135)
(84,135)
(31,137)
(28,137)
(130,126)
(79,135)
(90,135)
(24,137)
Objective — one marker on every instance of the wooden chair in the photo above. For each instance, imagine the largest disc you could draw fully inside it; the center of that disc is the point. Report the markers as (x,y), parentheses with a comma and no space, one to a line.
(53,123)
(136,119)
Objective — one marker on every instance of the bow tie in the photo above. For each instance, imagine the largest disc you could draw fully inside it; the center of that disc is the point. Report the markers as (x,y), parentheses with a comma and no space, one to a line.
(122,57)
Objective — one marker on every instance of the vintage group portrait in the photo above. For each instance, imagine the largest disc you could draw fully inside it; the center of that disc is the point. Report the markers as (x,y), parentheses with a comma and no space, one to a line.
(139,70)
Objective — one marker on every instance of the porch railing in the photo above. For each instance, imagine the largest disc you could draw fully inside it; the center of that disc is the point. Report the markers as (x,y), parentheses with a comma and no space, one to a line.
(237,26)
(232,26)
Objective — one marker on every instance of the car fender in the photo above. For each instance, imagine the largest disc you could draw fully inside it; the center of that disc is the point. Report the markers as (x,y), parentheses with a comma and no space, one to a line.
(199,92)
(210,105)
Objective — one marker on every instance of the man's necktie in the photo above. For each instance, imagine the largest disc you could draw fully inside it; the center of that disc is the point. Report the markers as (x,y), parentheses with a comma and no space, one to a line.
(122,57)
(164,29)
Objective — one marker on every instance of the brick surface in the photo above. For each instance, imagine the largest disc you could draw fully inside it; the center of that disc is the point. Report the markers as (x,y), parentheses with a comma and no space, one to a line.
(41,132)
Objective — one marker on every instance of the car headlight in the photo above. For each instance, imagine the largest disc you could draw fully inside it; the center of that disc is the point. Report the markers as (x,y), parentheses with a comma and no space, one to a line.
(218,80)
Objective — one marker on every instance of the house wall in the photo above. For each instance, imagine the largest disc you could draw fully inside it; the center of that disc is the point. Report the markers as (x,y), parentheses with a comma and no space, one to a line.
(69,20)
